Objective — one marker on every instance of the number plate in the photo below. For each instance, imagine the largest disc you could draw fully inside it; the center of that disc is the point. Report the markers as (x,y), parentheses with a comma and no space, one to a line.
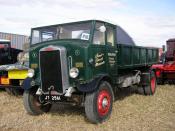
(53,98)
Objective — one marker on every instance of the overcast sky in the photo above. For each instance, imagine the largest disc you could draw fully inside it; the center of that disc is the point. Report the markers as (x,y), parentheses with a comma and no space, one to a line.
(149,22)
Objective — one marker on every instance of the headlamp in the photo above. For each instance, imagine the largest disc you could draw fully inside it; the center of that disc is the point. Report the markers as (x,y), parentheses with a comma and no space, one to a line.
(74,72)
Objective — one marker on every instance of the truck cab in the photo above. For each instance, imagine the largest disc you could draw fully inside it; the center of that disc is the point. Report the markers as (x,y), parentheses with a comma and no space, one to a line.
(82,63)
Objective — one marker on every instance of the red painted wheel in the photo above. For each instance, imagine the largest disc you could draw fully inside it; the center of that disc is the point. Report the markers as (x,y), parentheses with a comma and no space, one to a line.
(150,89)
(103,102)
(153,84)
(150,84)
(98,104)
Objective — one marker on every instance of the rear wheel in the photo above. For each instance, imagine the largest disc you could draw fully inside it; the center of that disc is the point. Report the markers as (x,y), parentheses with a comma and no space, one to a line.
(14,91)
(150,87)
(98,104)
(32,104)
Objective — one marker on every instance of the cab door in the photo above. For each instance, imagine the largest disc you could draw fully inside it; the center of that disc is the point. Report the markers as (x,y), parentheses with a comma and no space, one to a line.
(111,50)
(98,50)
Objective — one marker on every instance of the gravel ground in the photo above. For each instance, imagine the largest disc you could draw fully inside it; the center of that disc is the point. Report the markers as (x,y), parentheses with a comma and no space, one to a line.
(130,112)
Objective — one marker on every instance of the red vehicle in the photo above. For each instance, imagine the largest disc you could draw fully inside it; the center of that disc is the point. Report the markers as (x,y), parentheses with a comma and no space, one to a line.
(160,53)
(165,70)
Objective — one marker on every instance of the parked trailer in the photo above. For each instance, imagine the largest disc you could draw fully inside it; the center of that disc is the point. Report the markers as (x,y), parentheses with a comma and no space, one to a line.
(17,40)
(165,71)
(82,63)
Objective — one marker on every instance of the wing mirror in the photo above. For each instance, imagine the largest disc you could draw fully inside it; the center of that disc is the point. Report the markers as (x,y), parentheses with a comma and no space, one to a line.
(102,29)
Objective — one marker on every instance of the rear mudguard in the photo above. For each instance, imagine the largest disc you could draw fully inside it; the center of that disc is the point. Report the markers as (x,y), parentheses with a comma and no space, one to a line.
(93,85)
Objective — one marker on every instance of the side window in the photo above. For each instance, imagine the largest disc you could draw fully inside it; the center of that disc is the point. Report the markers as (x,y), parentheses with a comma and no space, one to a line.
(99,37)
(36,36)
(110,36)
(47,36)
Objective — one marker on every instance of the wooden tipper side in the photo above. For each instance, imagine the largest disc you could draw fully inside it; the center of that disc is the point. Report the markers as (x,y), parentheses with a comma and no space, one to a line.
(136,56)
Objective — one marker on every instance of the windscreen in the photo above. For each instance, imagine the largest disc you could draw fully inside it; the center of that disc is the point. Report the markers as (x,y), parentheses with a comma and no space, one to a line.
(77,31)
(68,31)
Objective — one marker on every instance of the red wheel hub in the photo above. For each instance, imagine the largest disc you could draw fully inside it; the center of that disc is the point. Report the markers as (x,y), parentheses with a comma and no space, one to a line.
(103,102)
(153,84)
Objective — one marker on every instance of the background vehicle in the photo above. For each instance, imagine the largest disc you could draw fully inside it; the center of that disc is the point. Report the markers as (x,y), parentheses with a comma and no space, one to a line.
(83,63)
(165,70)
(8,55)
(12,75)
(17,41)
(9,74)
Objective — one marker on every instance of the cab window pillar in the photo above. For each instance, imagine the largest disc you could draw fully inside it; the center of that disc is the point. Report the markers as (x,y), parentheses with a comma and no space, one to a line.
(99,35)
(110,35)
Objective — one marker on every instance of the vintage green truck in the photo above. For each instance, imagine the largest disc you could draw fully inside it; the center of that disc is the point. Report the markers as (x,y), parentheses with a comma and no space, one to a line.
(84,63)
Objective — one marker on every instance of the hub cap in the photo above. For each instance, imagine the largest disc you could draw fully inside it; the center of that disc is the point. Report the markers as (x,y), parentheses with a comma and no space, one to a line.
(103,102)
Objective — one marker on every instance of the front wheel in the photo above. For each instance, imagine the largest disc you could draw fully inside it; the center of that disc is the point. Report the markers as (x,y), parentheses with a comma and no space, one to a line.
(32,104)
(98,104)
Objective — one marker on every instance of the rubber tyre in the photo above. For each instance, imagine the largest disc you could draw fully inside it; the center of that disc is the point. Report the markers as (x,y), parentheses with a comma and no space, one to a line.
(32,104)
(13,91)
(141,90)
(151,88)
(94,113)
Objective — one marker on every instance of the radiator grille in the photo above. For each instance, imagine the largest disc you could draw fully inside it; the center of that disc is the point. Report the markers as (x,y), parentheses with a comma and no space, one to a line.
(50,67)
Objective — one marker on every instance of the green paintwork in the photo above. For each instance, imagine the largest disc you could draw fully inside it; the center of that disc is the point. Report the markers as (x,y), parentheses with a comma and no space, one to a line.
(127,57)
(71,47)
(136,56)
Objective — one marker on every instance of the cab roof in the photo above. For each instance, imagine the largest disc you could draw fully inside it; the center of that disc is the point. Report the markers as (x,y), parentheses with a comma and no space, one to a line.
(122,36)
(77,22)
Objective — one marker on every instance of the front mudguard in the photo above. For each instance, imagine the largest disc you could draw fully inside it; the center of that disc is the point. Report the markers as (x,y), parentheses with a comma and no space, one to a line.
(27,83)
(93,85)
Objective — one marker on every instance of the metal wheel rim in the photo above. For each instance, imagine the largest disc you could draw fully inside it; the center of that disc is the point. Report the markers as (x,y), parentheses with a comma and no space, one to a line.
(153,84)
(103,102)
